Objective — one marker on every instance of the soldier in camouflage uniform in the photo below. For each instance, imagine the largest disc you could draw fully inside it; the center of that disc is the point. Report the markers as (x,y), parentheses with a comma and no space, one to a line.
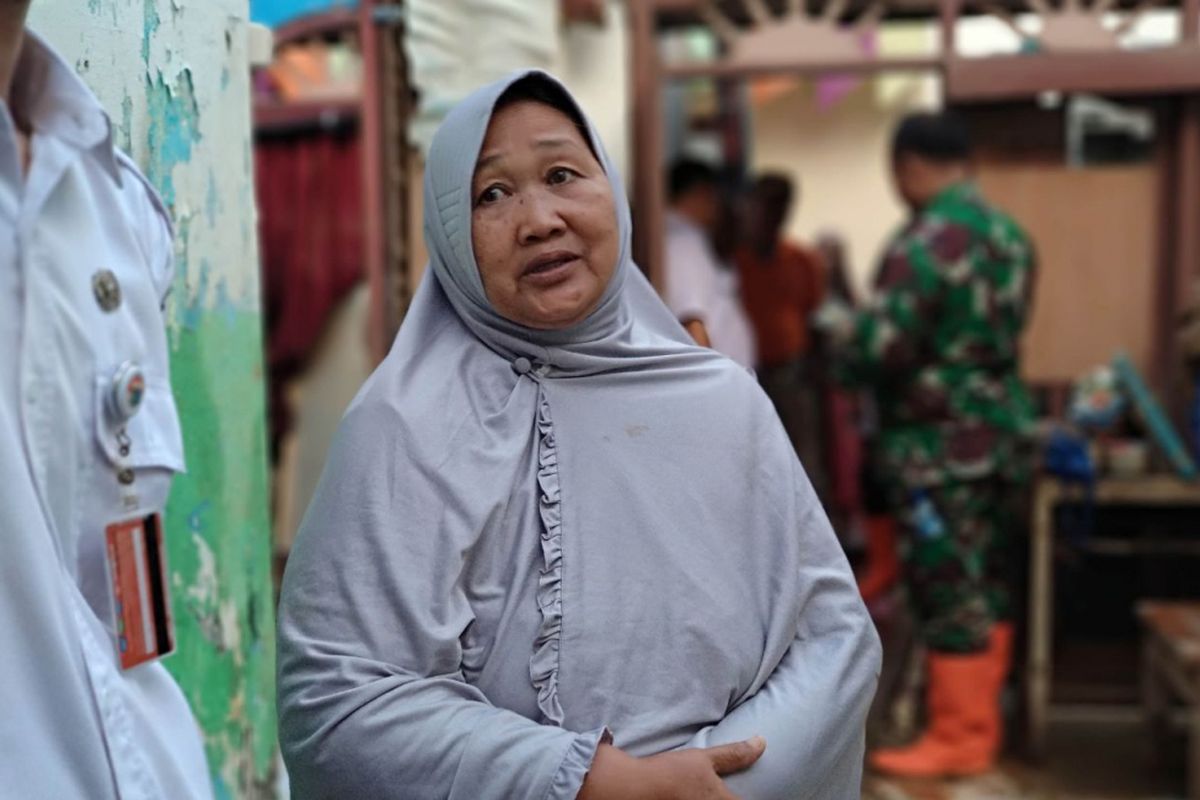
(939,347)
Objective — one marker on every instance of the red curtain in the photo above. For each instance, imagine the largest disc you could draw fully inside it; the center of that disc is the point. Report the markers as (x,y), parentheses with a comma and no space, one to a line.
(311,235)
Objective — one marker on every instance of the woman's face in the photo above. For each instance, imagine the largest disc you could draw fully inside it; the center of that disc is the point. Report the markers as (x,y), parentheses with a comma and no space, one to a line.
(543,222)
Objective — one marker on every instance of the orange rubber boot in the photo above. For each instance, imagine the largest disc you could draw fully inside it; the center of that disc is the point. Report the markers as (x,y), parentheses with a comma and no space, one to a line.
(961,738)
(883,564)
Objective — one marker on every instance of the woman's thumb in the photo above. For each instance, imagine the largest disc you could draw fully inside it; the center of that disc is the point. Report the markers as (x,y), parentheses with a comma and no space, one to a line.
(735,757)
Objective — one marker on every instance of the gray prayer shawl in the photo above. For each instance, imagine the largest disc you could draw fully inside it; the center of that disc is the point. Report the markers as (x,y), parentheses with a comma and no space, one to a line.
(523,538)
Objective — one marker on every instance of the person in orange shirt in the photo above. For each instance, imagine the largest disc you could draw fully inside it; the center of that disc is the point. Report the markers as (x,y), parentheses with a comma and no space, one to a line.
(782,284)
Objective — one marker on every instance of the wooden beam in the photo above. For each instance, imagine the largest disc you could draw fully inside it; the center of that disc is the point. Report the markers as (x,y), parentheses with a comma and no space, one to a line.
(649,197)
(1166,158)
(948,12)
(676,13)
(797,66)
(1174,70)
(1187,175)
(272,117)
(317,26)
(1189,29)
(1186,267)
(371,137)
(395,93)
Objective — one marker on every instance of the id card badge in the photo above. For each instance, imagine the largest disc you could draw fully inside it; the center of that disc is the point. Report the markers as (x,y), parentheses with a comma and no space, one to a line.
(141,602)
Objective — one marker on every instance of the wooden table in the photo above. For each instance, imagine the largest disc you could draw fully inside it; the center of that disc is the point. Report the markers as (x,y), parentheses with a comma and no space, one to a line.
(1171,667)
(1148,491)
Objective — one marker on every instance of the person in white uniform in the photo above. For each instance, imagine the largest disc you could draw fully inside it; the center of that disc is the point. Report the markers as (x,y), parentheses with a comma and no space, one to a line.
(90,440)
(701,292)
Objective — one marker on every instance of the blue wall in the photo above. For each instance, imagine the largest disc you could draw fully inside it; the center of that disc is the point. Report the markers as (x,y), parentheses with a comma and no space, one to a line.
(277,12)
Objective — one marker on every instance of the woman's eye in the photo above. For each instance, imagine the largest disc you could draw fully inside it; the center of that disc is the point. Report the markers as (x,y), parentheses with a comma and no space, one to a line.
(560,175)
(489,195)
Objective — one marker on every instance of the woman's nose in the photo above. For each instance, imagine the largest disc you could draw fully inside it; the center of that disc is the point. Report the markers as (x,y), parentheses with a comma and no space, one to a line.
(540,219)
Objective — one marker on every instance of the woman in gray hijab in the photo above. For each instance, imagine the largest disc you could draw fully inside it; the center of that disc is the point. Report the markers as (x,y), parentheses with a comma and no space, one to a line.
(559,551)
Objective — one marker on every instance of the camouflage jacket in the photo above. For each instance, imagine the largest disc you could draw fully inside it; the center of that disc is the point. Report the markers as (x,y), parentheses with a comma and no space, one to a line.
(938,345)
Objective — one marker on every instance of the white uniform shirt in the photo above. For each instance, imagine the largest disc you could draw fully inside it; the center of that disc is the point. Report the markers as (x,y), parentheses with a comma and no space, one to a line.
(75,725)
(698,288)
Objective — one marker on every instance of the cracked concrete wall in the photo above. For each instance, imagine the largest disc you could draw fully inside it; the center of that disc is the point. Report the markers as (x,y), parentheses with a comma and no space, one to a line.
(173,76)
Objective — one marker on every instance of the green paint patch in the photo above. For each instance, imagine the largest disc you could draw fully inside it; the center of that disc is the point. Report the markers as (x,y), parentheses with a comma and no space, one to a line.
(174,128)
(150,24)
(220,551)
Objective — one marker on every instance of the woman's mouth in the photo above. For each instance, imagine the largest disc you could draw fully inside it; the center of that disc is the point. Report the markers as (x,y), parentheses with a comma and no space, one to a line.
(550,267)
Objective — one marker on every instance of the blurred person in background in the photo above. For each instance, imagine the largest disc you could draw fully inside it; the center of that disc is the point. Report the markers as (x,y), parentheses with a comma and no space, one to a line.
(841,433)
(939,347)
(700,288)
(782,284)
(91,441)
(857,497)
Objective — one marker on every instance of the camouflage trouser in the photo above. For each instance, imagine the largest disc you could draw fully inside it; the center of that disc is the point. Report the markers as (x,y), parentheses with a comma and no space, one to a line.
(959,578)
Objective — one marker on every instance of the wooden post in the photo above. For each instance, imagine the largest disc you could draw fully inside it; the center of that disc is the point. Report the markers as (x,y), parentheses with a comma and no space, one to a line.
(948,19)
(384,141)
(1155,700)
(649,228)
(1041,615)
(371,142)
(394,108)
(1181,266)
(1193,756)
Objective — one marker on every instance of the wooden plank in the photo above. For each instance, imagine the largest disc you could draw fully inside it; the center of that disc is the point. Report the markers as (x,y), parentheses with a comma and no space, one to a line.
(1156,490)
(649,196)
(395,94)
(1152,490)
(1156,701)
(1169,70)
(1187,252)
(1041,616)
(1193,757)
(948,13)
(1177,625)
(275,117)
(1166,161)
(315,26)
(797,65)
(374,235)
(1094,230)
(677,13)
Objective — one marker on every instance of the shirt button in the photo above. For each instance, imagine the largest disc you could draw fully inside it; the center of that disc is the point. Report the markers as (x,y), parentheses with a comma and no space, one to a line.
(106,290)
(521,365)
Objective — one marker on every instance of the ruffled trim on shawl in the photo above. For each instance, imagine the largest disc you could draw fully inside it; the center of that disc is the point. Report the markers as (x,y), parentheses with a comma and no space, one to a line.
(576,764)
(543,666)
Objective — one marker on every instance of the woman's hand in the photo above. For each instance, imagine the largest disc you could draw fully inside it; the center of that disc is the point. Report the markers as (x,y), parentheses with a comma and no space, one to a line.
(677,775)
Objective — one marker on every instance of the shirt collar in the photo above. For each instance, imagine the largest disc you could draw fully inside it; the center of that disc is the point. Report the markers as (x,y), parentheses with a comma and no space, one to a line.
(49,97)
(954,194)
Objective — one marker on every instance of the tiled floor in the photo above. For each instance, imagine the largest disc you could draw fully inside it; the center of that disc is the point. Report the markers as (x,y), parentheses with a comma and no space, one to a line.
(1103,758)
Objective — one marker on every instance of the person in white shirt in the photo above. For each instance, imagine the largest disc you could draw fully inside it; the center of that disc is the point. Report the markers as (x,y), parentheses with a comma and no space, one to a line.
(91,439)
(700,290)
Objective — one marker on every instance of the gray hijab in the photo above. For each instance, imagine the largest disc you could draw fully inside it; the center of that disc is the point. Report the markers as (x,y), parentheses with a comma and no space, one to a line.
(680,555)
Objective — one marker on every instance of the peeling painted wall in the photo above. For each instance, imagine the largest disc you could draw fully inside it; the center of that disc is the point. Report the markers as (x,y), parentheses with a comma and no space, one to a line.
(173,76)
